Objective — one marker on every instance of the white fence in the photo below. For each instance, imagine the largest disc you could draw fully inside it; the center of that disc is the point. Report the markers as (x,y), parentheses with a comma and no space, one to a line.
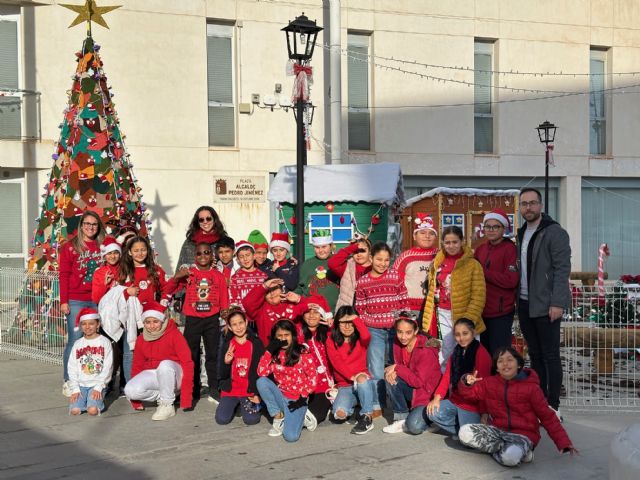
(600,338)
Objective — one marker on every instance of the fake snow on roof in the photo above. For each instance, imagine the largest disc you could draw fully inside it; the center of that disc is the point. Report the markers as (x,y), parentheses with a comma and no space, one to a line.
(366,182)
(480,192)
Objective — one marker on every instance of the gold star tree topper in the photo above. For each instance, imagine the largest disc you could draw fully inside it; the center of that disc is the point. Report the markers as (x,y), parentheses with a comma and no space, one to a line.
(89,12)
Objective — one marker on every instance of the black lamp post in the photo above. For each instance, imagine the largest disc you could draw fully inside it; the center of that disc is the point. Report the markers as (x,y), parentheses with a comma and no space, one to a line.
(301,41)
(546,133)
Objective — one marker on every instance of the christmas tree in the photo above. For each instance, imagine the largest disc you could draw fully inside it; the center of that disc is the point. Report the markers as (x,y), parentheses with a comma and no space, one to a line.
(91,168)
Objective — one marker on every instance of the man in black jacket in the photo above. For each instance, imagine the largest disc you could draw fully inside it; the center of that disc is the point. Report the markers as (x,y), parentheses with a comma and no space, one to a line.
(545,265)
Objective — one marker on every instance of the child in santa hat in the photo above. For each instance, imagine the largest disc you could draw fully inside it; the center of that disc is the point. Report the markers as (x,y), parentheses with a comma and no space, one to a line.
(247,276)
(89,366)
(107,275)
(283,267)
(261,249)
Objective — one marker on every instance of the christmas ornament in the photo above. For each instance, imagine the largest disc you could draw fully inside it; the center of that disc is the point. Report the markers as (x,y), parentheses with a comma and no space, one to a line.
(330,207)
(292,220)
(375,219)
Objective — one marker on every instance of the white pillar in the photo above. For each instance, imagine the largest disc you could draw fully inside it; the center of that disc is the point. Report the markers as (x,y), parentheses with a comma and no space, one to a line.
(570,212)
(335,85)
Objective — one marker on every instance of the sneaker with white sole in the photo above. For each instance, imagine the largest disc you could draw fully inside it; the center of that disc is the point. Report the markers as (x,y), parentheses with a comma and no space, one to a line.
(396,427)
(163,412)
(66,389)
(364,425)
(557,412)
(310,421)
(528,458)
(276,427)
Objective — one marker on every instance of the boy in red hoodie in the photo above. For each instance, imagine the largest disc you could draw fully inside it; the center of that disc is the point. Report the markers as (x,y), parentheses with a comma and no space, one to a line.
(206,294)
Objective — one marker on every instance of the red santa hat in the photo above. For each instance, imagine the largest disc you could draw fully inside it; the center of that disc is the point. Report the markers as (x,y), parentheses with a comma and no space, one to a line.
(110,244)
(280,240)
(499,215)
(153,310)
(324,310)
(244,244)
(424,221)
(86,314)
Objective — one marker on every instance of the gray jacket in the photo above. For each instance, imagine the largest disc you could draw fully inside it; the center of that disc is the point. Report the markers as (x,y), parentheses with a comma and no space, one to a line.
(548,267)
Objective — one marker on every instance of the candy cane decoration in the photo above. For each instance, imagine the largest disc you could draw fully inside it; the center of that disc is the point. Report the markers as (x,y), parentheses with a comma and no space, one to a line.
(603,252)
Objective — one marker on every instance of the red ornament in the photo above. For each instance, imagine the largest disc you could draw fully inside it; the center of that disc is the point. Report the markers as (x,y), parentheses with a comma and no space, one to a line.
(292,220)
(341,219)
(330,207)
(375,219)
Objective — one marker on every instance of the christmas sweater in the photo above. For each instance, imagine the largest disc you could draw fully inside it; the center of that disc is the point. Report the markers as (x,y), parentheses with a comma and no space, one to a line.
(413,265)
(100,286)
(266,315)
(76,271)
(242,282)
(90,364)
(345,364)
(287,271)
(318,350)
(378,298)
(206,292)
(443,280)
(299,380)
(317,279)
(148,290)
(227,377)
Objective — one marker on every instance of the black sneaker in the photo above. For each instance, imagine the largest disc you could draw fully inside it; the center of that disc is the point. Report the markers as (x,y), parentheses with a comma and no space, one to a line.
(364,425)
(214,397)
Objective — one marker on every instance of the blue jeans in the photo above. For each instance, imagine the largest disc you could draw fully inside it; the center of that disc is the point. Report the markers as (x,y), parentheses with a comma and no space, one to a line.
(379,353)
(401,395)
(127,358)
(417,421)
(74,307)
(348,397)
(85,401)
(227,408)
(451,417)
(277,403)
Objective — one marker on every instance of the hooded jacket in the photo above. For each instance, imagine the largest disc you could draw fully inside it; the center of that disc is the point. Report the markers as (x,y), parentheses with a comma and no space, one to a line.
(548,267)
(500,267)
(423,371)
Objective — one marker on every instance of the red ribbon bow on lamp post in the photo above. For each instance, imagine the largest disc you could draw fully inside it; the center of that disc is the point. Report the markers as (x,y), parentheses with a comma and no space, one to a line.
(304,75)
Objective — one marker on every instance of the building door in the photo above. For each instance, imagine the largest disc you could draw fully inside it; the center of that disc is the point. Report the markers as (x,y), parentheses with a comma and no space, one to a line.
(12,240)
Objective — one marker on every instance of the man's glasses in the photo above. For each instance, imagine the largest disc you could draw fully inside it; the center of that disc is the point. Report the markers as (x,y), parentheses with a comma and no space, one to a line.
(204,219)
(203,252)
(532,203)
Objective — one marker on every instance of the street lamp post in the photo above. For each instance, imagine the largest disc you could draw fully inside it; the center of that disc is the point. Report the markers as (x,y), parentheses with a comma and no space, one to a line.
(546,133)
(301,40)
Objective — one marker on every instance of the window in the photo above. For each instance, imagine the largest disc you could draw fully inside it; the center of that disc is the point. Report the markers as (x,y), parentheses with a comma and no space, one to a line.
(338,223)
(359,117)
(483,108)
(10,103)
(222,119)
(597,103)
(11,219)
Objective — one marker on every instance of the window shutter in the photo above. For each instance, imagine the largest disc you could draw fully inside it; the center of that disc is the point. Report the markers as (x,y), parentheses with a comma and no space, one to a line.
(359,117)
(11,217)
(8,54)
(482,80)
(220,85)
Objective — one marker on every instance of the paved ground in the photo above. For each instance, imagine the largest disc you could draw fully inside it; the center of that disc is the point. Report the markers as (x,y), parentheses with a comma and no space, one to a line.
(39,440)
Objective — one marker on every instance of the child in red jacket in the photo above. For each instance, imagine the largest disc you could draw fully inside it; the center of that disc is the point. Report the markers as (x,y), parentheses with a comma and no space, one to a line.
(106,276)
(413,378)
(206,294)
(468,356)
(516,406)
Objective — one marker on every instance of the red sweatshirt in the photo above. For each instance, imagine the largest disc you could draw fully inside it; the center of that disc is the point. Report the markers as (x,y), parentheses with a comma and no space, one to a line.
(377,298)
(170,346)
(148,291)
(421,371)
(206,292)
(98,286)
(296,381)
(413,265)
(482,365)
(266,315)
(76,271)
(499,263)
(338,262)
(242,282)
(346,365)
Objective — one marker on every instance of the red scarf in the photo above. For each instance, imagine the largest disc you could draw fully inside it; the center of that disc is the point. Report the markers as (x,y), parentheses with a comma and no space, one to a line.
(201,236)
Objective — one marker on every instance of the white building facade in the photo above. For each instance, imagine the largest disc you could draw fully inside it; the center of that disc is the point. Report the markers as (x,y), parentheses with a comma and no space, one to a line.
(452,91)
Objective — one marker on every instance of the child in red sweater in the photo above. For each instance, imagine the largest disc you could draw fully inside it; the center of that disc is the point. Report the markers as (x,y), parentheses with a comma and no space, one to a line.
(347,352)
(106,276)
(246,277)
(379,295)
(468,356)
(516,406)
(206,294)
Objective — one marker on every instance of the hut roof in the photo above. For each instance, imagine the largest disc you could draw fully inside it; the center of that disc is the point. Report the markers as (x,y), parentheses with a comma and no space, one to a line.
(462,191)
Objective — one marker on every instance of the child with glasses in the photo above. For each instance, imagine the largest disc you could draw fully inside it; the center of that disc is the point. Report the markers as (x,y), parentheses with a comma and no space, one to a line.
(206,295)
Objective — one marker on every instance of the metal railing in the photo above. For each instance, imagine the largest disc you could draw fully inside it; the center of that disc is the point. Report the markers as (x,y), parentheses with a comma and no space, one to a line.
(19,114)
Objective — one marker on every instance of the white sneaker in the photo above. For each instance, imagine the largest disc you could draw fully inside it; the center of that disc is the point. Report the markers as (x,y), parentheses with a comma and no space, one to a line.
(276,427)
(163,412)
(557,412)
(310,421)
(396,427)
(66,390)
(528,458)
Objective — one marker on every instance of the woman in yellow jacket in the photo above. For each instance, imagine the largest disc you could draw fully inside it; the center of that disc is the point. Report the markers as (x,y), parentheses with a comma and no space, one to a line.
(456,290)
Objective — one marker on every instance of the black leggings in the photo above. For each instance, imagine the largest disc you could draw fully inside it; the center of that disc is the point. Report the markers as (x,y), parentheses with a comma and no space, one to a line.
(319,405)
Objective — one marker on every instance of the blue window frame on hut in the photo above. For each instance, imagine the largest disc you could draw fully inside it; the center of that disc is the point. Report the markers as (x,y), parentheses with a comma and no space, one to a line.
(338,223)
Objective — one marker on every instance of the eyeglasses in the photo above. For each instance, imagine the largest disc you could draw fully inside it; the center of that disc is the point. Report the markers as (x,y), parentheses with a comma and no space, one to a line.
(346,324)
(493,228)
(204,219)
(203,252)
(532,203)
(89,224)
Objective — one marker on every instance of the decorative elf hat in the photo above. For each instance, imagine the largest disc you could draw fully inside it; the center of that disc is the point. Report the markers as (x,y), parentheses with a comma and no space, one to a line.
(86,314)
(321,237)
(258,240)
(110,244)
(280,240)
(153,310)
(424,221)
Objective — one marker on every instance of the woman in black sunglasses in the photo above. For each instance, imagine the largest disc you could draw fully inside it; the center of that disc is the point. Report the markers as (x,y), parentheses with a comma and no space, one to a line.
(205,226)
